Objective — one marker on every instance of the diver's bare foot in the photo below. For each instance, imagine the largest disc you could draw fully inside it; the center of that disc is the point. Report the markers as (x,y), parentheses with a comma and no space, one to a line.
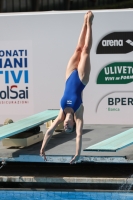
(85,18)
(90,17)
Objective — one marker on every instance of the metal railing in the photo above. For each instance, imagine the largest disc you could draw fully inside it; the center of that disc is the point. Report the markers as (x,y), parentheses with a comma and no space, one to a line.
(46,5)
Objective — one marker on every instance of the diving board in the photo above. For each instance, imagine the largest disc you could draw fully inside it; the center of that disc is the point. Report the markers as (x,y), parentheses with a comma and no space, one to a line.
(114,143)
(27,123)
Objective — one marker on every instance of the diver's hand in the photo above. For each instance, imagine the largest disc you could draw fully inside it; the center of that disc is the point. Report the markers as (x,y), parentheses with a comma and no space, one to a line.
(74,159)
(42,153)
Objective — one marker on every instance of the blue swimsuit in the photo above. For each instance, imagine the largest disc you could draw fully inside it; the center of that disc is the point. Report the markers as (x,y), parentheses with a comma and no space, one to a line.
(72,94)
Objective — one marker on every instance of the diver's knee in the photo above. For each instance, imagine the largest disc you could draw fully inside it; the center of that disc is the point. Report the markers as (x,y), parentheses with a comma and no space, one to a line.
(86,50)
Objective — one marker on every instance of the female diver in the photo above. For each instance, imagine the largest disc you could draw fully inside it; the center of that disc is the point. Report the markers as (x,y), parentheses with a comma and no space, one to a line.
(77,77)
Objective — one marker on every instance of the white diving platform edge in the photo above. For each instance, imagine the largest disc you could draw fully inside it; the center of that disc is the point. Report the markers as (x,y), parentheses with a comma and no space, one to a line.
(28,123)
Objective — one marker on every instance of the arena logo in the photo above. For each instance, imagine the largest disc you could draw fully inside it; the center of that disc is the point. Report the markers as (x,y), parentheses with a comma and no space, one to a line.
(116,43)
(111,43)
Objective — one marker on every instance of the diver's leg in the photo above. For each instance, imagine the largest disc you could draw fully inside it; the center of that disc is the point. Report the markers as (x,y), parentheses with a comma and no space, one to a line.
(84,64)
(74,60)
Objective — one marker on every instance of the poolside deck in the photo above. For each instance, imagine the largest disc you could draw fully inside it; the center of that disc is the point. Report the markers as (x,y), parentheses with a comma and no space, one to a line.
(62,147)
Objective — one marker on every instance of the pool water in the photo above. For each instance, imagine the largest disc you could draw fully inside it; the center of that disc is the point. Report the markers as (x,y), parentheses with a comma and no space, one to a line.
(63,195)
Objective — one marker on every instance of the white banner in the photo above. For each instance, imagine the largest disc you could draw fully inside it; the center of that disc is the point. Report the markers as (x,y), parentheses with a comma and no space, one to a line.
(35,49)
